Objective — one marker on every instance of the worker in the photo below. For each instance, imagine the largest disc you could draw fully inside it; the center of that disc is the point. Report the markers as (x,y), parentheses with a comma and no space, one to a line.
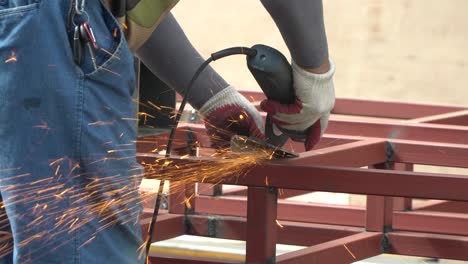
(68,172)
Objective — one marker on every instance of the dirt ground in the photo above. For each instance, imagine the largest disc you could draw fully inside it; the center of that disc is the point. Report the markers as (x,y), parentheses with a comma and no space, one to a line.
(414,51)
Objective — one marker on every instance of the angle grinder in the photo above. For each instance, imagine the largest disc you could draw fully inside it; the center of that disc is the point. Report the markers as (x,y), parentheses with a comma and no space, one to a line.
(273,73)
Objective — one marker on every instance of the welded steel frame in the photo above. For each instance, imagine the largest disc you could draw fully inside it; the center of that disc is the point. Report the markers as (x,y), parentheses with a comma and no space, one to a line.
(371,156)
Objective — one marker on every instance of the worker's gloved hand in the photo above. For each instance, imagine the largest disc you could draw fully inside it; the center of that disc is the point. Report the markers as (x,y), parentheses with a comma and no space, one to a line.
(307,118)
(229,113)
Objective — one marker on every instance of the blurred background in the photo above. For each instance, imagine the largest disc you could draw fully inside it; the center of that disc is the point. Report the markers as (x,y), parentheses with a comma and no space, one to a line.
(414,51)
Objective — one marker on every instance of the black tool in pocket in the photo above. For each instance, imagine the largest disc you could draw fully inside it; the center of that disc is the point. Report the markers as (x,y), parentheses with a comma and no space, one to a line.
(77,46)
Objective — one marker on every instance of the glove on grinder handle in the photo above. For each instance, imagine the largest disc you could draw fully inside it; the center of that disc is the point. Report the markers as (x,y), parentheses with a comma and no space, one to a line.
(273,73)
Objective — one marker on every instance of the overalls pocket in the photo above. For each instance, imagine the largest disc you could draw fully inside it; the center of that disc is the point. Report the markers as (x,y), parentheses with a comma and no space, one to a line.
(110,40)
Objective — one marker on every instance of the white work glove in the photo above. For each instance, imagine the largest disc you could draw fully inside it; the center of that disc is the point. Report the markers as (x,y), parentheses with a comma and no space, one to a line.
(307,118)
(229,113)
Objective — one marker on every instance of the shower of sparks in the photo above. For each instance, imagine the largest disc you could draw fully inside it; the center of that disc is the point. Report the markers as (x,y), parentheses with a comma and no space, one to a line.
(349,251)
(227,164)
(12,57)
(68,199)
(107,200)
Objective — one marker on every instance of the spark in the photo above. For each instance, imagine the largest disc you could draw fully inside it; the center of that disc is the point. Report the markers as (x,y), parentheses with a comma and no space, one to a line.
(88,241)
(279,224)
(119,150)
(12,58)
(349,251)
(280,191)
(44,126)
(187,202)
(145,115)
(154,105)
(187,171)
(56,161)
(110,53)
(101,123)
(166,107)
(57,170)
(104,199)
(109,70)
(124,26)
(266,181)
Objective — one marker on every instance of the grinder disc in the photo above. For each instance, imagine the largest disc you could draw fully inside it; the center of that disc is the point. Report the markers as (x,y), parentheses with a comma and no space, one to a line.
(249,144)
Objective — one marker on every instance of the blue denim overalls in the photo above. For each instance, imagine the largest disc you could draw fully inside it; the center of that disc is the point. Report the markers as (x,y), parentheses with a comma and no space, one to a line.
(68,175)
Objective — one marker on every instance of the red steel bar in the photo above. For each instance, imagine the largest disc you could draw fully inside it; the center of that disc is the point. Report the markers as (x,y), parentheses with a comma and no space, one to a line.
(287,211)
(430,153)
(343,250)
(168,226)
(375,108)
(379,213)
(171,259)
(399,130)
(261,225)
(433,222)
(359,181)
(399,203)
(389,109)
(428,245)
(176,200)
(210,189)
(347,180)
(379,209)
(458,118)
(292,233)
(445,206)
(355,154)
(282,193)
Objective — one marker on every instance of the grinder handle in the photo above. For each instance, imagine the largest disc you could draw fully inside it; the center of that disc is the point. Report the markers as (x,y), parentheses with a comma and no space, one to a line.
(273,73)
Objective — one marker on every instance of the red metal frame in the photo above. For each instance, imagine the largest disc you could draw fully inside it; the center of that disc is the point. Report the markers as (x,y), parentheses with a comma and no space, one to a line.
(410,134)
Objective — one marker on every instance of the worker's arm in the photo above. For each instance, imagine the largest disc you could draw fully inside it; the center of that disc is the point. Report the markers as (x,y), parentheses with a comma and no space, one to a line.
(169,54)
(301,24)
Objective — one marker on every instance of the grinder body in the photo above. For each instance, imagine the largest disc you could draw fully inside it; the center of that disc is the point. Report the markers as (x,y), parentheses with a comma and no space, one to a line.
(273,73)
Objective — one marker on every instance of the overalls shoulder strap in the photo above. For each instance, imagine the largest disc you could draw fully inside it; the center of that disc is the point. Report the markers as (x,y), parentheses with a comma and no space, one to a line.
(139,18)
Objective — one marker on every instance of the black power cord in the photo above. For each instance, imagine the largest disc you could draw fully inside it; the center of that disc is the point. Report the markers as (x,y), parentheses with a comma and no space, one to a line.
(215,56)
